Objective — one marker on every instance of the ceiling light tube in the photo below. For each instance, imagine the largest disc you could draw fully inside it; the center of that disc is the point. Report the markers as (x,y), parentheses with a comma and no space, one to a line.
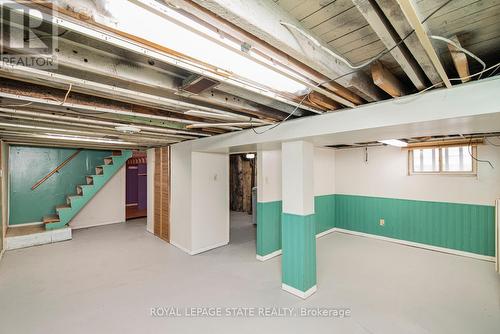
(394,142)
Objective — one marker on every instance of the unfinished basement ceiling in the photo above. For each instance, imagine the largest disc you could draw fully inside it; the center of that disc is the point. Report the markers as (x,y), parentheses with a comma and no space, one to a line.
(112,73)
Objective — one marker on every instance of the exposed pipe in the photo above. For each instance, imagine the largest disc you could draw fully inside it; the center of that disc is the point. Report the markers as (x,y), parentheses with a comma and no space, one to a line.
(92,121)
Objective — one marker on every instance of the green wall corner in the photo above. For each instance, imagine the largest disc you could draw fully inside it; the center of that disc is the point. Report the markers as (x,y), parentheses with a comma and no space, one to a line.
(27,165)
(268,227)
(324,209)
(298,260)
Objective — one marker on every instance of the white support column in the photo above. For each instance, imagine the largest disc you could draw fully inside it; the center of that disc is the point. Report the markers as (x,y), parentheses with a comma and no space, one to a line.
(298,224)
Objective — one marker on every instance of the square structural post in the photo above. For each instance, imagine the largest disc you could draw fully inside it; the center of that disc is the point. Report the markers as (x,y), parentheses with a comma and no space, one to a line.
(298,263)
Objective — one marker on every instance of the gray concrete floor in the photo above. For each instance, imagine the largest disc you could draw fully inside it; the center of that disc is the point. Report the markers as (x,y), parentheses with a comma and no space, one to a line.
(107,278)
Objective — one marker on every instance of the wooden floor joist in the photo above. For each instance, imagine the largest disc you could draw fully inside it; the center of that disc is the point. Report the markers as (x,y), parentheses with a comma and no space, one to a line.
(459,59)
(384,79)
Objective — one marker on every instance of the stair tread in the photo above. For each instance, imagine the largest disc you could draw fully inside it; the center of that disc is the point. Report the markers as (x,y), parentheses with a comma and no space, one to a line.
(63,206)
(51,219)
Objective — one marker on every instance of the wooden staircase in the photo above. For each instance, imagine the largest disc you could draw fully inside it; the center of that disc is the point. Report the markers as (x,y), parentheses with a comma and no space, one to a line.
(85,192)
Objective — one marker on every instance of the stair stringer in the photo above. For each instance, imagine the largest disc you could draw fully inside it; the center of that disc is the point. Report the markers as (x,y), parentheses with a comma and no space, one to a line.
(77,203)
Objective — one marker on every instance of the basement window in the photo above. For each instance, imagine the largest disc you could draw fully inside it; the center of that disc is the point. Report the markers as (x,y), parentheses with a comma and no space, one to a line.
(443,160)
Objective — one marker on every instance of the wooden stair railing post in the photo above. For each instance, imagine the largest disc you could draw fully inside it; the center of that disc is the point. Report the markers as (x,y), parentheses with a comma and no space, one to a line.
(58,168)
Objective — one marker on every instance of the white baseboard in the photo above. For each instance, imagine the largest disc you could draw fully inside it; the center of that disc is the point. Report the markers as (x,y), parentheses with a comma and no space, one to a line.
(322,234)
(95,225)
(419,245)
(269,256)
(297,292)
(36,239)
(398,241)
(205,249)
(185,250)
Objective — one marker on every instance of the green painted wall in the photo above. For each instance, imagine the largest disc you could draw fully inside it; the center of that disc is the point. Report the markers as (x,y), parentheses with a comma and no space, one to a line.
(27,165)
(324,209)
(464,227)
(298,261)
(268,227)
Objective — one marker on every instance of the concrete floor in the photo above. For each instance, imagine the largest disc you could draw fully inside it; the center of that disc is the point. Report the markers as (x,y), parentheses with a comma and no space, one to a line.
(107,278)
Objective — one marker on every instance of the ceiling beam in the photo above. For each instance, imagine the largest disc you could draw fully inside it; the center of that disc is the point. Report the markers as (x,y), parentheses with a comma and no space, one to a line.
(388,35)
(101,26)
(459,59)
(398,20)
(259,46)
(262,18)
(323,101)
(410,11)
(383,78)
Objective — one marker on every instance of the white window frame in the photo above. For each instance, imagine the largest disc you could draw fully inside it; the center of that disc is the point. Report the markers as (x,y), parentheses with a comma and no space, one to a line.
(473,172)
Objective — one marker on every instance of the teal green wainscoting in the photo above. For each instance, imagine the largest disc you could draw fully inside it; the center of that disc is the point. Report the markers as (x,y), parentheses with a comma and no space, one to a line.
(27,165)
(464,227)
(268,227)
(298,262)
(324,209)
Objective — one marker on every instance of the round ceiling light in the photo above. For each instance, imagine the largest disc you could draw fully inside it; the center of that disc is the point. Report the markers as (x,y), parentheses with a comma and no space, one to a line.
(127,129)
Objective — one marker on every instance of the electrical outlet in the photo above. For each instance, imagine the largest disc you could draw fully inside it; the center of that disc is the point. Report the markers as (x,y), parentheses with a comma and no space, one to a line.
(382,222)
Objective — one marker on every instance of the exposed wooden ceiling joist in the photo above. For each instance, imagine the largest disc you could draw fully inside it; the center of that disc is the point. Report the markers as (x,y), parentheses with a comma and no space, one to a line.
(413,17)
(388,35)
(459,59)
(397,19)
(387,81)
(262,18)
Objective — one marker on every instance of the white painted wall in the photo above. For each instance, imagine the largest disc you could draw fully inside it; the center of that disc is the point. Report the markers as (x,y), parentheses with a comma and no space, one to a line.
(200,199)
(386,175)
(297,170)
(106,207)
(210,201)
(180,205)
(268,175)
(324,171)
(150,191)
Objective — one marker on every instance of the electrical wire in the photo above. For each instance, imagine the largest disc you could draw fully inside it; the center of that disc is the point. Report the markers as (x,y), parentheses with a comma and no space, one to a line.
(380,55)
(491,143)
(469,149)
(494,71)
(467,52)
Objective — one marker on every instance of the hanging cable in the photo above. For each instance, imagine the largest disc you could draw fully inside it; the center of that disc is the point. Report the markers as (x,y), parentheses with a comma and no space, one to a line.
(377,57)
(469,149)
(358,67)
(458,47)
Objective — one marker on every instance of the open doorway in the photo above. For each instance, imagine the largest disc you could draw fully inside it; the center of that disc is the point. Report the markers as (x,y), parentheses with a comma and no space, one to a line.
(242,197)
(136,204)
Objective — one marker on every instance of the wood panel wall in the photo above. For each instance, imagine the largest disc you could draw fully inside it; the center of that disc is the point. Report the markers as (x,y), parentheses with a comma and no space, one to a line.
(242,180)
(162,193)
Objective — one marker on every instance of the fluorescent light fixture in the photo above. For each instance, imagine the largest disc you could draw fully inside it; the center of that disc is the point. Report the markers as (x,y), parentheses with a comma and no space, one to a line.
(140,22)
(127,129)
(394,142)
(85,139)
(250,156)
(210,114)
